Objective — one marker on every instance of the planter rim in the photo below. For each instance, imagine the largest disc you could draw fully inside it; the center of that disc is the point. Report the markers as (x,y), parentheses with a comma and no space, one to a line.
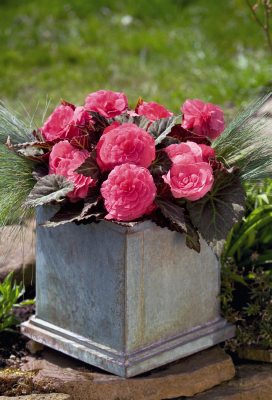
(111,224)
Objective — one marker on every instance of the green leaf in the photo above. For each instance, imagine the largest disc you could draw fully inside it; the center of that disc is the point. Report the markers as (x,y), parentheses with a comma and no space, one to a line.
(160,166)
(233,276)
(219,210)
(81,142)
(141,121)
(49,189)
(89,167)
(25,303)
(171,211)
(160,128)
(9,320)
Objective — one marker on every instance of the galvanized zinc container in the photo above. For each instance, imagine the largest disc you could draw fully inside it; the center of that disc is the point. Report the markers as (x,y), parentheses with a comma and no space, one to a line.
(126,300)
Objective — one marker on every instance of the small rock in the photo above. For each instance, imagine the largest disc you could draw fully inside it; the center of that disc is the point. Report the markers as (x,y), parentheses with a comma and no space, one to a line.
(256,353)
(252,382)
(12,357)
(34,347)
(21,261)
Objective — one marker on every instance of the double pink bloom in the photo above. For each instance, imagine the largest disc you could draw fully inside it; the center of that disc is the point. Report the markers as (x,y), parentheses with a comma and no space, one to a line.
(205,119)
(64,160)
(127,151)
(62,123)
(190,176)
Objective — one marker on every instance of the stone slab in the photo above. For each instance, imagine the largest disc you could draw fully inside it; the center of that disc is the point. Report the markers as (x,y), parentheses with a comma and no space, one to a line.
(252,382)
(185,377)
(49,396)
(256,353)
(21,258)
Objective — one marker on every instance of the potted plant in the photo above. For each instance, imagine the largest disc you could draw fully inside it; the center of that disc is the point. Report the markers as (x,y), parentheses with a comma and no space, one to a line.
(133,210)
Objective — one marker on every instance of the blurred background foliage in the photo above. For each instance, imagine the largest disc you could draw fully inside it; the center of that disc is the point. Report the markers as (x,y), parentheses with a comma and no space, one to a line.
(162,51)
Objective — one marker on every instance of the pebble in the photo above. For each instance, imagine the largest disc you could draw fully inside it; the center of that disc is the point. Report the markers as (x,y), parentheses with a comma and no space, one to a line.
(12,357)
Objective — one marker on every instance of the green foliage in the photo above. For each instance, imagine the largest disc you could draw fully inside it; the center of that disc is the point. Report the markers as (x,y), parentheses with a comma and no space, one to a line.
(246,274)
(246,143)
(9,295)
(16,178)
(170,51)
(249,242)
(249,307)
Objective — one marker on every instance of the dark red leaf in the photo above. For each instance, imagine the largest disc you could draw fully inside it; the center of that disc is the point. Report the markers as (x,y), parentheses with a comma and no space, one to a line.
(66,103)
(171,211)
(185,135)
(140,101)
(81,142)
(160,166)
(89,167)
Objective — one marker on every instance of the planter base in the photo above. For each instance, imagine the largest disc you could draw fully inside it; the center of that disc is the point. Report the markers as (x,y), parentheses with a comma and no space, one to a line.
(120,363)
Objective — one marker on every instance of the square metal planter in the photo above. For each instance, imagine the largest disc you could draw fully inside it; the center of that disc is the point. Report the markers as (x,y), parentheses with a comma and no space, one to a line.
(126,300)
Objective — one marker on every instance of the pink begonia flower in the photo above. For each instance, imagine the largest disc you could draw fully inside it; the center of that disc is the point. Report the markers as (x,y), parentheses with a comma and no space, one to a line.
(114,125)
(191,181)
(128,192)
(125,144)
(64,160)
(205,119)
(106,103)
(153,111)
(150,209)
(80,118)
(132,113)
(59,125)
(207,152)
(185,152)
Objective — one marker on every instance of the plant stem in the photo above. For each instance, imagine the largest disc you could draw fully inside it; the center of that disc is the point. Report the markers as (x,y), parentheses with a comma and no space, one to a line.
(266,26)
(267,11)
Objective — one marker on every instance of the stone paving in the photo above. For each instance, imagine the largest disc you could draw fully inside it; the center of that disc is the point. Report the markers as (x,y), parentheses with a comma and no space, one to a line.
(62,374)
(251,382)
(208,375)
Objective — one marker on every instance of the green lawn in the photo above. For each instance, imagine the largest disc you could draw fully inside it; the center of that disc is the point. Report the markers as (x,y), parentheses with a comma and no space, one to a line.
(168,51)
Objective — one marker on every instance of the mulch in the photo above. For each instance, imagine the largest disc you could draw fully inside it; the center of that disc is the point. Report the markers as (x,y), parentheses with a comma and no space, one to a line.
(13,353)
(12,345)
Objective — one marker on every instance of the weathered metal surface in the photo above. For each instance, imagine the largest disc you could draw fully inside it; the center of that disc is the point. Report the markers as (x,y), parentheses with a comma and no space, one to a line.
(134,298)
(119,362)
